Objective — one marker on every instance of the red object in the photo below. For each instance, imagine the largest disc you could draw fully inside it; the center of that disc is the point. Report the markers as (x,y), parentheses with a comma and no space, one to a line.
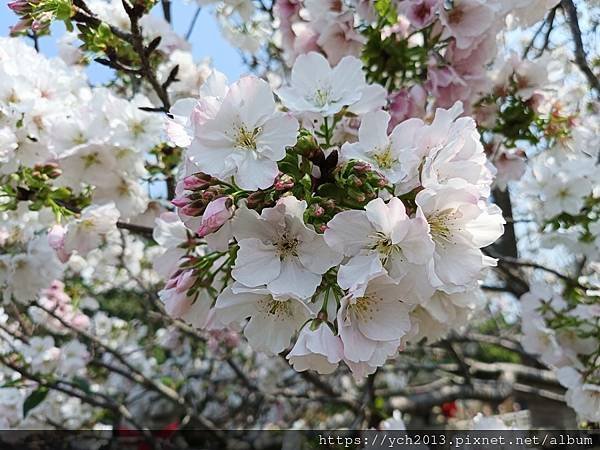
(449,409)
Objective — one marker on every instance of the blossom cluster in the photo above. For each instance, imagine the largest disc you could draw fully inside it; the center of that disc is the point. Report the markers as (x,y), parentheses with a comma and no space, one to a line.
(565,333)
(64,145)
(333,211)
(356,241)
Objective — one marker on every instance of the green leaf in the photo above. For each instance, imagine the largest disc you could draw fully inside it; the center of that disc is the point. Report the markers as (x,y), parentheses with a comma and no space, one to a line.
(82,384)
(34,399)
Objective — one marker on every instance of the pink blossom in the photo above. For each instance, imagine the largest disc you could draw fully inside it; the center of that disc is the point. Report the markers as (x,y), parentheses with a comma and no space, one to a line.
(305,41)
(446,85)
(468,21)
(218,212)
(287,13)
(57,300)
(399,29)
(340,38)
(56,240)
(176,300)
(20,6)
(511,166)
(421,13)
(405,104)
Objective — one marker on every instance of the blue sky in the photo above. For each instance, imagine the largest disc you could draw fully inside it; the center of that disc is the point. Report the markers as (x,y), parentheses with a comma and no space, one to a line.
(206,40)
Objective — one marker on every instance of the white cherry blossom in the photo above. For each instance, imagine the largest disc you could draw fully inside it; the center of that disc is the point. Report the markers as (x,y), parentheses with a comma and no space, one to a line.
(278,250)
(380,239)
(273,320)
(245,137)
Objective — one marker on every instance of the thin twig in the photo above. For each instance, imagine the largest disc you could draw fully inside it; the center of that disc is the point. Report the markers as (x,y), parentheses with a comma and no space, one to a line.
(190,30)
(137,229)
(580,56)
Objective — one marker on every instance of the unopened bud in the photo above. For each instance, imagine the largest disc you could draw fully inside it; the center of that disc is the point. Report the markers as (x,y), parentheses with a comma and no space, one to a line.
(357,195)
(361,167)
(355,181)
(318,211)
(193,183)
(255,200)
(180,202)
(284,182)
(306,144)
(193,209)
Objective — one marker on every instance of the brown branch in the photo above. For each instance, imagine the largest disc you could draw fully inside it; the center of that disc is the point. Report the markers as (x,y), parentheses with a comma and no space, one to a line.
(61,386)
(507,244)
(580,55)
(137,229)
(166,7)
(550,20)
(190,30)
(498,341)
(143,53)
(533,265)
(479,390)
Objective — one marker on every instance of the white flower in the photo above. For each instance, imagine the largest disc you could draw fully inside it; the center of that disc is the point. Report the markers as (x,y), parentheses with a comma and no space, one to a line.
(8,144)
(393,423)
(278,250)
(245,137)
(583,397)
(169,233)
(134,128)
(379,315)
(459,227)
(128,195)
(23,275)
(317,349)
(92,164)
(317,88)
(387,154)
(11,406)
(41,354)
(538,339)
(566,193)
(273,320)
(442,312)
(73,357)
(86,233)
(378,240)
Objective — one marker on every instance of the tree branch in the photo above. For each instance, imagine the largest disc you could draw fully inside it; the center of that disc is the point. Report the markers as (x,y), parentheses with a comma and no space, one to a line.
(138,229)
(580,56)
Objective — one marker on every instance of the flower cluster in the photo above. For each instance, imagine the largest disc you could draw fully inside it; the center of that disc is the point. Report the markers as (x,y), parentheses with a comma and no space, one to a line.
(565,333)
(356,242)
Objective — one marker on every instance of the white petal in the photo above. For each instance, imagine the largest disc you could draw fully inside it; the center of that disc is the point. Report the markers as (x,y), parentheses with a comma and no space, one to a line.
(294,280)
(248,224)
(349,232)
(317,257)
(256,173)
(385,217)
(277,133)
(359,270)
(231,307)
(256,263)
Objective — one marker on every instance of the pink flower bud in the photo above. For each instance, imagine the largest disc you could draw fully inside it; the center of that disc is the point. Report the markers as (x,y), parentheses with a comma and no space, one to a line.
(19,6)
(215,215)
(56,240)
(193,183)
(191,210)
(185,281)
(180,202)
